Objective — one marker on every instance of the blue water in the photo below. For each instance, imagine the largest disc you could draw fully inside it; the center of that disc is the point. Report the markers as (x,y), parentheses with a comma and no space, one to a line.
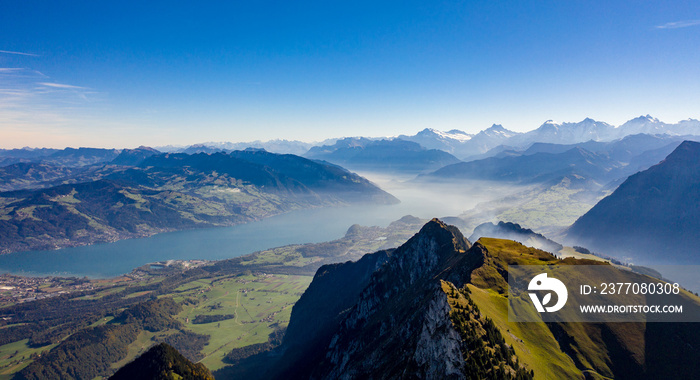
(298,227)
(113,259)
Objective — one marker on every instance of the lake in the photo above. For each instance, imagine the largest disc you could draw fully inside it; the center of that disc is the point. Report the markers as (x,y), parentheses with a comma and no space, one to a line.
(303,226)
(113,259)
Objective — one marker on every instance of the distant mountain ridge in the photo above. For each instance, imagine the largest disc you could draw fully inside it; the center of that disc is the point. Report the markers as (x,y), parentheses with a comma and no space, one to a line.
(382,155)
(535,168)
(133,157)
(461,144)
(513,231)
(280,146)
(60,157)
(549,132)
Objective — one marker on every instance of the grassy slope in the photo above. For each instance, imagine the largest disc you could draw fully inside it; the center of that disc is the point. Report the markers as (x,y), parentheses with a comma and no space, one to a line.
(16,355)
(534,343)
(593,348)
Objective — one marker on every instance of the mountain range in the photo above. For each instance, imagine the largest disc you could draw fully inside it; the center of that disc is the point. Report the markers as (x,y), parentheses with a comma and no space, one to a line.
(533,168)
(173,191)
(593,161)
(513,231)
(653,216)
(468,146)
(382,155)
(64,157)
(461,144)
(275,146)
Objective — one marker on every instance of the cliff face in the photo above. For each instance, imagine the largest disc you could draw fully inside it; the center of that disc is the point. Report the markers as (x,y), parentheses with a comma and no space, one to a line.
(320,309)
(420,343)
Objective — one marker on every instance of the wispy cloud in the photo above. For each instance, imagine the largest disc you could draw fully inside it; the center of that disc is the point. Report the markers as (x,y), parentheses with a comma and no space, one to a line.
(678,24)
(18,53)
(60,85)
(31,101)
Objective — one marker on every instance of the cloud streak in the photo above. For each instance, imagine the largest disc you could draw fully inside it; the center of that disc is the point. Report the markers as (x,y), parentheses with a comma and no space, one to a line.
(678,24)
(59,85)
(31,101)
(18,53)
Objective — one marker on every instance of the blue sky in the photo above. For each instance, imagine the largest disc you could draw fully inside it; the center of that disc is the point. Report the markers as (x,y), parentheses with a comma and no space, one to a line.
(128,73)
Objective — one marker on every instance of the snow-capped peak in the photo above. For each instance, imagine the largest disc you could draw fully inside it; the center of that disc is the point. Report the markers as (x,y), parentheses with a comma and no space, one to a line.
(645,119)
(454,134)
(498,130)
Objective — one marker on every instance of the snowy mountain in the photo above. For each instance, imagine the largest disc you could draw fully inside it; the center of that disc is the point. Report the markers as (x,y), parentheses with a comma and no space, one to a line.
(653,126)
(433,139)
(643,124)
(464,145)
(460,143)
(274,146)
(566,133)
(488,139)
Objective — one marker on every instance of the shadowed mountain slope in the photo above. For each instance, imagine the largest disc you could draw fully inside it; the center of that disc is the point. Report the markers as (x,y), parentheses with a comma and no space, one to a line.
(653,216)
(162,362)
(534,168)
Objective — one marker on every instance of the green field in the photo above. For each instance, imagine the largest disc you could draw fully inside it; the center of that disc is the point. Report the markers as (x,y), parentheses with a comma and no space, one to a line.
(16,355)
(259,302)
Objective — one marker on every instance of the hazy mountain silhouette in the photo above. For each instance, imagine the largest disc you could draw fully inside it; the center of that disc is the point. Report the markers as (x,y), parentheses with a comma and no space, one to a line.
(382,155)
(653,216)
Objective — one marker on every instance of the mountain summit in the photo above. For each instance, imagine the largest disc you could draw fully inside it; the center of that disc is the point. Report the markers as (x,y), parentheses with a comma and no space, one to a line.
(400,324)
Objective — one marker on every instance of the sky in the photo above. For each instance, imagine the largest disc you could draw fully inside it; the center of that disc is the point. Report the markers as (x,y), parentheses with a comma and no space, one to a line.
(128,73)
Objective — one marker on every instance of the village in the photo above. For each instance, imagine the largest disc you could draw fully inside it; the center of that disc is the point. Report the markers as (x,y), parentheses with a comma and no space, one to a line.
(18,289)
